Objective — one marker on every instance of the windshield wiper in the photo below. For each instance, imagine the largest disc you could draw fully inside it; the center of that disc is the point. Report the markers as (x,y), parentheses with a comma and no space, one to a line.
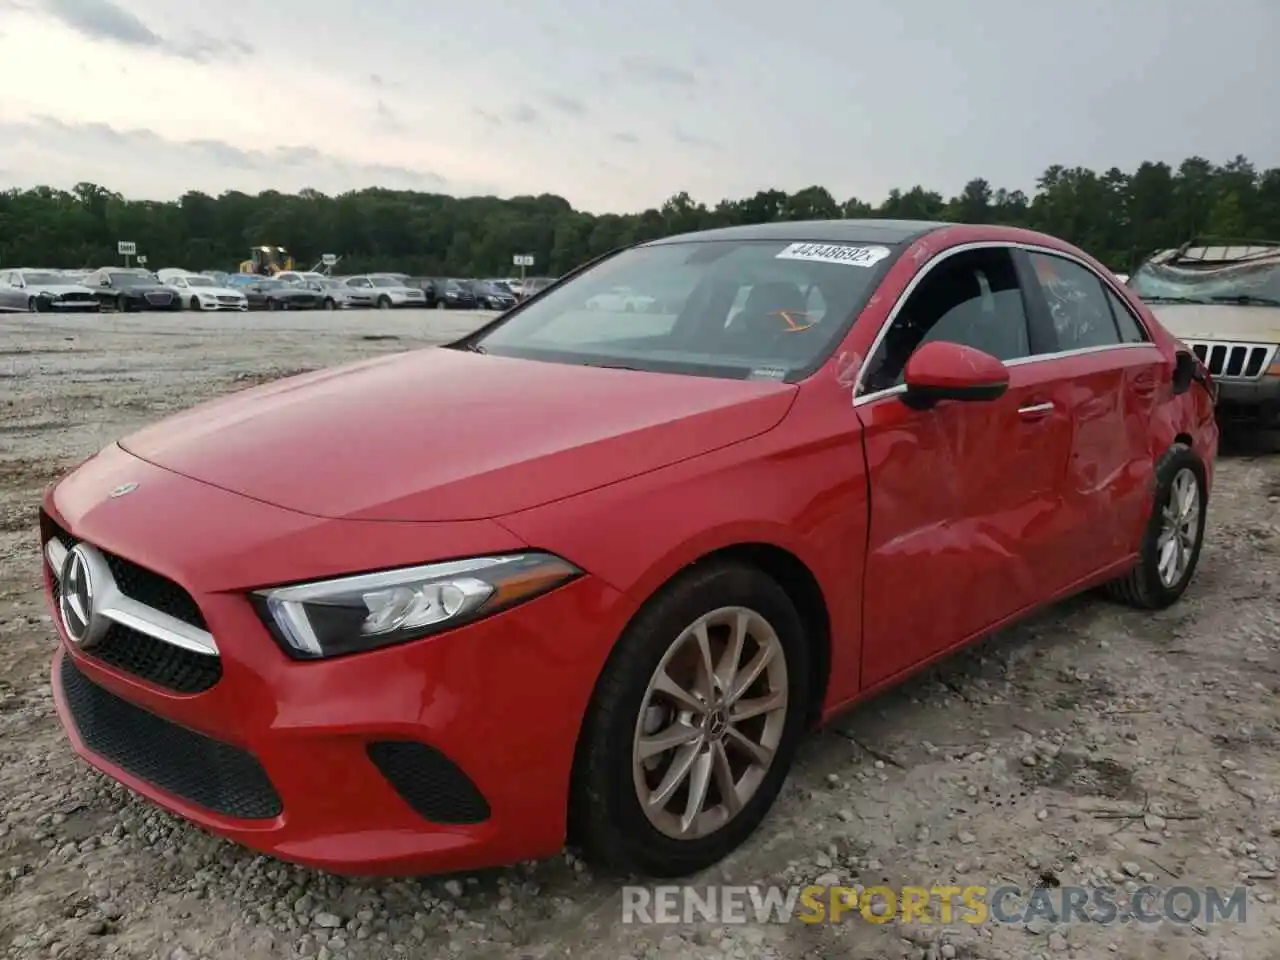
(1249,300)
(608,366)
(1150,299)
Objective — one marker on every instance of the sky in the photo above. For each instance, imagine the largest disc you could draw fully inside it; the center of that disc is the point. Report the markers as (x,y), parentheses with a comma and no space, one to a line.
(616,106)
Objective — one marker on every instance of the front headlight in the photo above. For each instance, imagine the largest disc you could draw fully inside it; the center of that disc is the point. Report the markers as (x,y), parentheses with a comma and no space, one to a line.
(353,614)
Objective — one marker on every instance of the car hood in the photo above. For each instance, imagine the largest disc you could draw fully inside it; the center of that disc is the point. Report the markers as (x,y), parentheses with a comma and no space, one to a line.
(142,288)
(217,291)
(1217,321)
(58,288)
(440,434)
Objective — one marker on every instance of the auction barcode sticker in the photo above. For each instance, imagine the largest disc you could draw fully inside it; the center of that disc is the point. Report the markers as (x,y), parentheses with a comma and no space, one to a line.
(834,253)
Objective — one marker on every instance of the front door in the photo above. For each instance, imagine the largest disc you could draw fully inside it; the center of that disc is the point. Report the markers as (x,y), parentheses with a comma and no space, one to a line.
(965,522)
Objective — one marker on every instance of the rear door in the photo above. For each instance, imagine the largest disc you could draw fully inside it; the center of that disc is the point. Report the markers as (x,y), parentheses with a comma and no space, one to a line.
(1110,377)
(965,528)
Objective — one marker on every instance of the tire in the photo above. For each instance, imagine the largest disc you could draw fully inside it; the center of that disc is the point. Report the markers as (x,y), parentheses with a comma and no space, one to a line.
(606,815)
(195,303)
(272,305)
(1144,586)
(440,305)
(384,303)
(329,304)
(33,306)
(122,305)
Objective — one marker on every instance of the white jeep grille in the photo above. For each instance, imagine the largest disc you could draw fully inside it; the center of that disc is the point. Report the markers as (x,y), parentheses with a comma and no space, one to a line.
(1234,361)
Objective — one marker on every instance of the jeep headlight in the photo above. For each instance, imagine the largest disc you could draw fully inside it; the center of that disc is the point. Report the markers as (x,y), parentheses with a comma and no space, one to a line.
(330,618)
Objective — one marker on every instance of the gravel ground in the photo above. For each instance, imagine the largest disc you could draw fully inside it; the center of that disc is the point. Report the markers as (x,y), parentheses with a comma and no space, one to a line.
(1092,745)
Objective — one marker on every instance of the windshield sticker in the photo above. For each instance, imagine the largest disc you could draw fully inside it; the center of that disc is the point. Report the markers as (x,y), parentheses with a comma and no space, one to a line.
(834,253)
(767,373)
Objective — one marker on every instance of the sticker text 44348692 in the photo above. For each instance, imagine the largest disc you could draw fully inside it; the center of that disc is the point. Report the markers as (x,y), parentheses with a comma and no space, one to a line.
(839,253)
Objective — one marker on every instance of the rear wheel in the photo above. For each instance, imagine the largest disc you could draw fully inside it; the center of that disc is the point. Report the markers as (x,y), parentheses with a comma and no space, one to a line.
(1175,533)
(693,724)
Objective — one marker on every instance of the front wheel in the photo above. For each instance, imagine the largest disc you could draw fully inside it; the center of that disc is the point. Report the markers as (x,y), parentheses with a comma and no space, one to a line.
(329,304)
(123,305)
(1175,533)
(693,724)
(195,303)
(384,303)
(272,305)
(440,305)
(32,305)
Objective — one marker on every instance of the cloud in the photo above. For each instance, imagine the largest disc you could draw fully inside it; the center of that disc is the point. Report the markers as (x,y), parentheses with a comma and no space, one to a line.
(692,139)
(652,70)
(204,164)
(107,21)
(625,137)
(388,119)
(522,113)
(569,105)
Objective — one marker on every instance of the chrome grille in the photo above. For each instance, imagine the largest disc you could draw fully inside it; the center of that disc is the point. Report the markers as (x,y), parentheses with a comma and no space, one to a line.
(234,301)
(159,298)
(1234,361)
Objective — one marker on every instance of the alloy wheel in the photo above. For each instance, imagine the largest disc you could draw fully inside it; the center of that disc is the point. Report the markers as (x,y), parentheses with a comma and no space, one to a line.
(711,722)
(1180,527)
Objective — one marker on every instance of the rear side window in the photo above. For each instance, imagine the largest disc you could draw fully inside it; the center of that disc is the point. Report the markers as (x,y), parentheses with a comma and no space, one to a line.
(1077,301)
(1130,329)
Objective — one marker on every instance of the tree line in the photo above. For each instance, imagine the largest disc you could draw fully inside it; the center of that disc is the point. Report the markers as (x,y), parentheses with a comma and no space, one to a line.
(1119,217)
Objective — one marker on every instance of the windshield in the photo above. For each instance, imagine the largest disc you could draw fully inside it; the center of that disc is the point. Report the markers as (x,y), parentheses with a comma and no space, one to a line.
(271,284)
(199,282)
(125,279)
(44,279)
(385,282)
(722,308)
(332,284)
(1258,280)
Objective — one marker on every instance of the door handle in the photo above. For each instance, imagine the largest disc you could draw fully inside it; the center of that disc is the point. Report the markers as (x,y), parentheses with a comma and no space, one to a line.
(1036,411)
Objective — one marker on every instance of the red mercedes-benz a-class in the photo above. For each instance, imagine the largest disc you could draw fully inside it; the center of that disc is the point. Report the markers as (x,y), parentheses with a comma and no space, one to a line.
(594,569)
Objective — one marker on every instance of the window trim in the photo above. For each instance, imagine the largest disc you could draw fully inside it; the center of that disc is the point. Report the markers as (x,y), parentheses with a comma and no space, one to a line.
(1112,299)
(860,398)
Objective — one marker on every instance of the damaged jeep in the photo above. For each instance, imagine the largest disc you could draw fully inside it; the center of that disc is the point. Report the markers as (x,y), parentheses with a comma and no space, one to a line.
(1222,299)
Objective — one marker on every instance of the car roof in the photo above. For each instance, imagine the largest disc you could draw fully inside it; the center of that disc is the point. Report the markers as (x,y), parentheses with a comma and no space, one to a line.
(817,231)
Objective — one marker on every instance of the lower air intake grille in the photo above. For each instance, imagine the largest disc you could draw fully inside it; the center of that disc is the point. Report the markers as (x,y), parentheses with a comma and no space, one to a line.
(206,772)
(429,782)
(163,664)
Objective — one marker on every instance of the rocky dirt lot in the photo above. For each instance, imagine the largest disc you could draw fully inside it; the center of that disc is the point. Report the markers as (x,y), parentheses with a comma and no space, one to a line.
(1092,745)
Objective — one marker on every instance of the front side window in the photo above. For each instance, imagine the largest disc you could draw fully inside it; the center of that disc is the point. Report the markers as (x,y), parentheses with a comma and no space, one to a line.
(1077,302)
(971,298)
(728,308)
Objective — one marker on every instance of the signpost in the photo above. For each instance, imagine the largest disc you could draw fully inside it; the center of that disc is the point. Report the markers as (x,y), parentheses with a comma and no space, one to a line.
(142,260)
(522,260)
(126,249)
(329,259)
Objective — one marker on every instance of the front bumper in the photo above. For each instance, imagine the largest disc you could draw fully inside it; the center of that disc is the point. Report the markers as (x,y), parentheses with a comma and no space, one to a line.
(354,765)
(1251,400)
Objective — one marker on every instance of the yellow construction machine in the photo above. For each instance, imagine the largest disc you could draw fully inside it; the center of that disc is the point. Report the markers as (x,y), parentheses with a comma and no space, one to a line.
(267,261)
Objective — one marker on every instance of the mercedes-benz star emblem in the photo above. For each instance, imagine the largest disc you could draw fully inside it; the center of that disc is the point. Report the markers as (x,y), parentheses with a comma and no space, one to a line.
(121,490)
(84,625)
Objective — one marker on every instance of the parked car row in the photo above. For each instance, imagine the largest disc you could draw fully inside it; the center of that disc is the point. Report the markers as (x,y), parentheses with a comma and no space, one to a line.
(127,289)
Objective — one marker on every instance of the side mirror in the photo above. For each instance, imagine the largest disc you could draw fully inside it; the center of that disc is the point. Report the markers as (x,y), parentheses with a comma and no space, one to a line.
(1184,372)
(949,371)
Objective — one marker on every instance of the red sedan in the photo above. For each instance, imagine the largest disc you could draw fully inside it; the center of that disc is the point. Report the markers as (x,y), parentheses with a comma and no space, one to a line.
(591,573)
